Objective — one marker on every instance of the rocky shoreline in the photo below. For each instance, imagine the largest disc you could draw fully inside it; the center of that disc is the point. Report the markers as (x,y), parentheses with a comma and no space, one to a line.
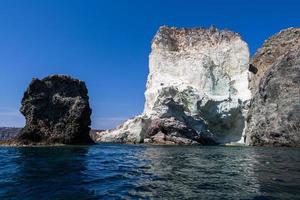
(202,88)
(7,134)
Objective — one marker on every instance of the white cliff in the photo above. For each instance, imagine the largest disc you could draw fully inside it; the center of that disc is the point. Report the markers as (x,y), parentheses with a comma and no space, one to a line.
(197,83)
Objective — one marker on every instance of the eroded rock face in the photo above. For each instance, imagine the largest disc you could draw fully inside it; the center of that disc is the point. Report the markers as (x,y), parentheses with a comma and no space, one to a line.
(287,40)
(274,114)
(57,111)
(198,81)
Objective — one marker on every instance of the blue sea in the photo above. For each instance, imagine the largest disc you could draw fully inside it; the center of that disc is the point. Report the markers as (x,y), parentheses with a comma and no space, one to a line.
(116,171)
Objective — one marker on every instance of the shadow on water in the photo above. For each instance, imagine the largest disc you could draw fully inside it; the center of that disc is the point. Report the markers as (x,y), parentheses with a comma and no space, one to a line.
(277,171)
(194,172)
(48,173)
(220,173)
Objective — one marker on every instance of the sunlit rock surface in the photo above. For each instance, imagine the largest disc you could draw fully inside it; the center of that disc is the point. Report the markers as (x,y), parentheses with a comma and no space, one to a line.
(131,131)
(287,40)
(198,81)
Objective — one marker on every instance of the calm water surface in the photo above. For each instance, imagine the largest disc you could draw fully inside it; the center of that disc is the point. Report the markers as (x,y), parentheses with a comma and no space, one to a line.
(111,171)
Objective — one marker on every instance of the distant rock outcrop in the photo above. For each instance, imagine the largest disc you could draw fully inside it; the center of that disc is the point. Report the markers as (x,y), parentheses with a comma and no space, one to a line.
(197,90)
(57,111)
(274,113)
(7,133)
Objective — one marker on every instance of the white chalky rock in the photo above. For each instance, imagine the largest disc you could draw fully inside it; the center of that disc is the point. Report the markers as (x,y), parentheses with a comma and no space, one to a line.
(203,71)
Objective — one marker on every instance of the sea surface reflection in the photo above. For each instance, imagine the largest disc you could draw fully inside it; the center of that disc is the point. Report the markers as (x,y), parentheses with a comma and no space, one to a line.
(112,171)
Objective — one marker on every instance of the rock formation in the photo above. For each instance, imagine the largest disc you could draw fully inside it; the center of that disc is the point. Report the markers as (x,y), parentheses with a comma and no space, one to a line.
(172,131)
(197,90)
(287,40)
(57,111)
(274,113)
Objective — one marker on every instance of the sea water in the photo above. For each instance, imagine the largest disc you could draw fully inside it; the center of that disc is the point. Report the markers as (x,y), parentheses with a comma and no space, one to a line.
(115,171)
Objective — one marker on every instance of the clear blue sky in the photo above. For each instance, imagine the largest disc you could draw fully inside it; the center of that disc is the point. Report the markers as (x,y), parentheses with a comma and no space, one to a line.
(106,43)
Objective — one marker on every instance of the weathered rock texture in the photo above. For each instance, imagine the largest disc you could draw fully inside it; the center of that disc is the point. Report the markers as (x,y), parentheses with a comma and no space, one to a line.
(57,111)
(172,131)
(274,113)
(197,90)
(287,40)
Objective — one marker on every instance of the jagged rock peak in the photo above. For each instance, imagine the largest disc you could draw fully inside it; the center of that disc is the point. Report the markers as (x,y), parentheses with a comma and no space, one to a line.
(177,39)
(274,47)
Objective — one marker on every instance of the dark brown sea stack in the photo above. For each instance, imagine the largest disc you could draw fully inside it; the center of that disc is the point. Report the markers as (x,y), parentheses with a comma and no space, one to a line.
(274,114)
(172,131)
(57,111)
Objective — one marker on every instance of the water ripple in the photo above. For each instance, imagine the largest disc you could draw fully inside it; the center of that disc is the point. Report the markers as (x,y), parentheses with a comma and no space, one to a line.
(110,171)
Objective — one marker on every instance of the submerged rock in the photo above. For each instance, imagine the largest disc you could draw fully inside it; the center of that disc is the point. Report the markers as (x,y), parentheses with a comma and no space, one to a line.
(57,111)
(197,89)
(274,113)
